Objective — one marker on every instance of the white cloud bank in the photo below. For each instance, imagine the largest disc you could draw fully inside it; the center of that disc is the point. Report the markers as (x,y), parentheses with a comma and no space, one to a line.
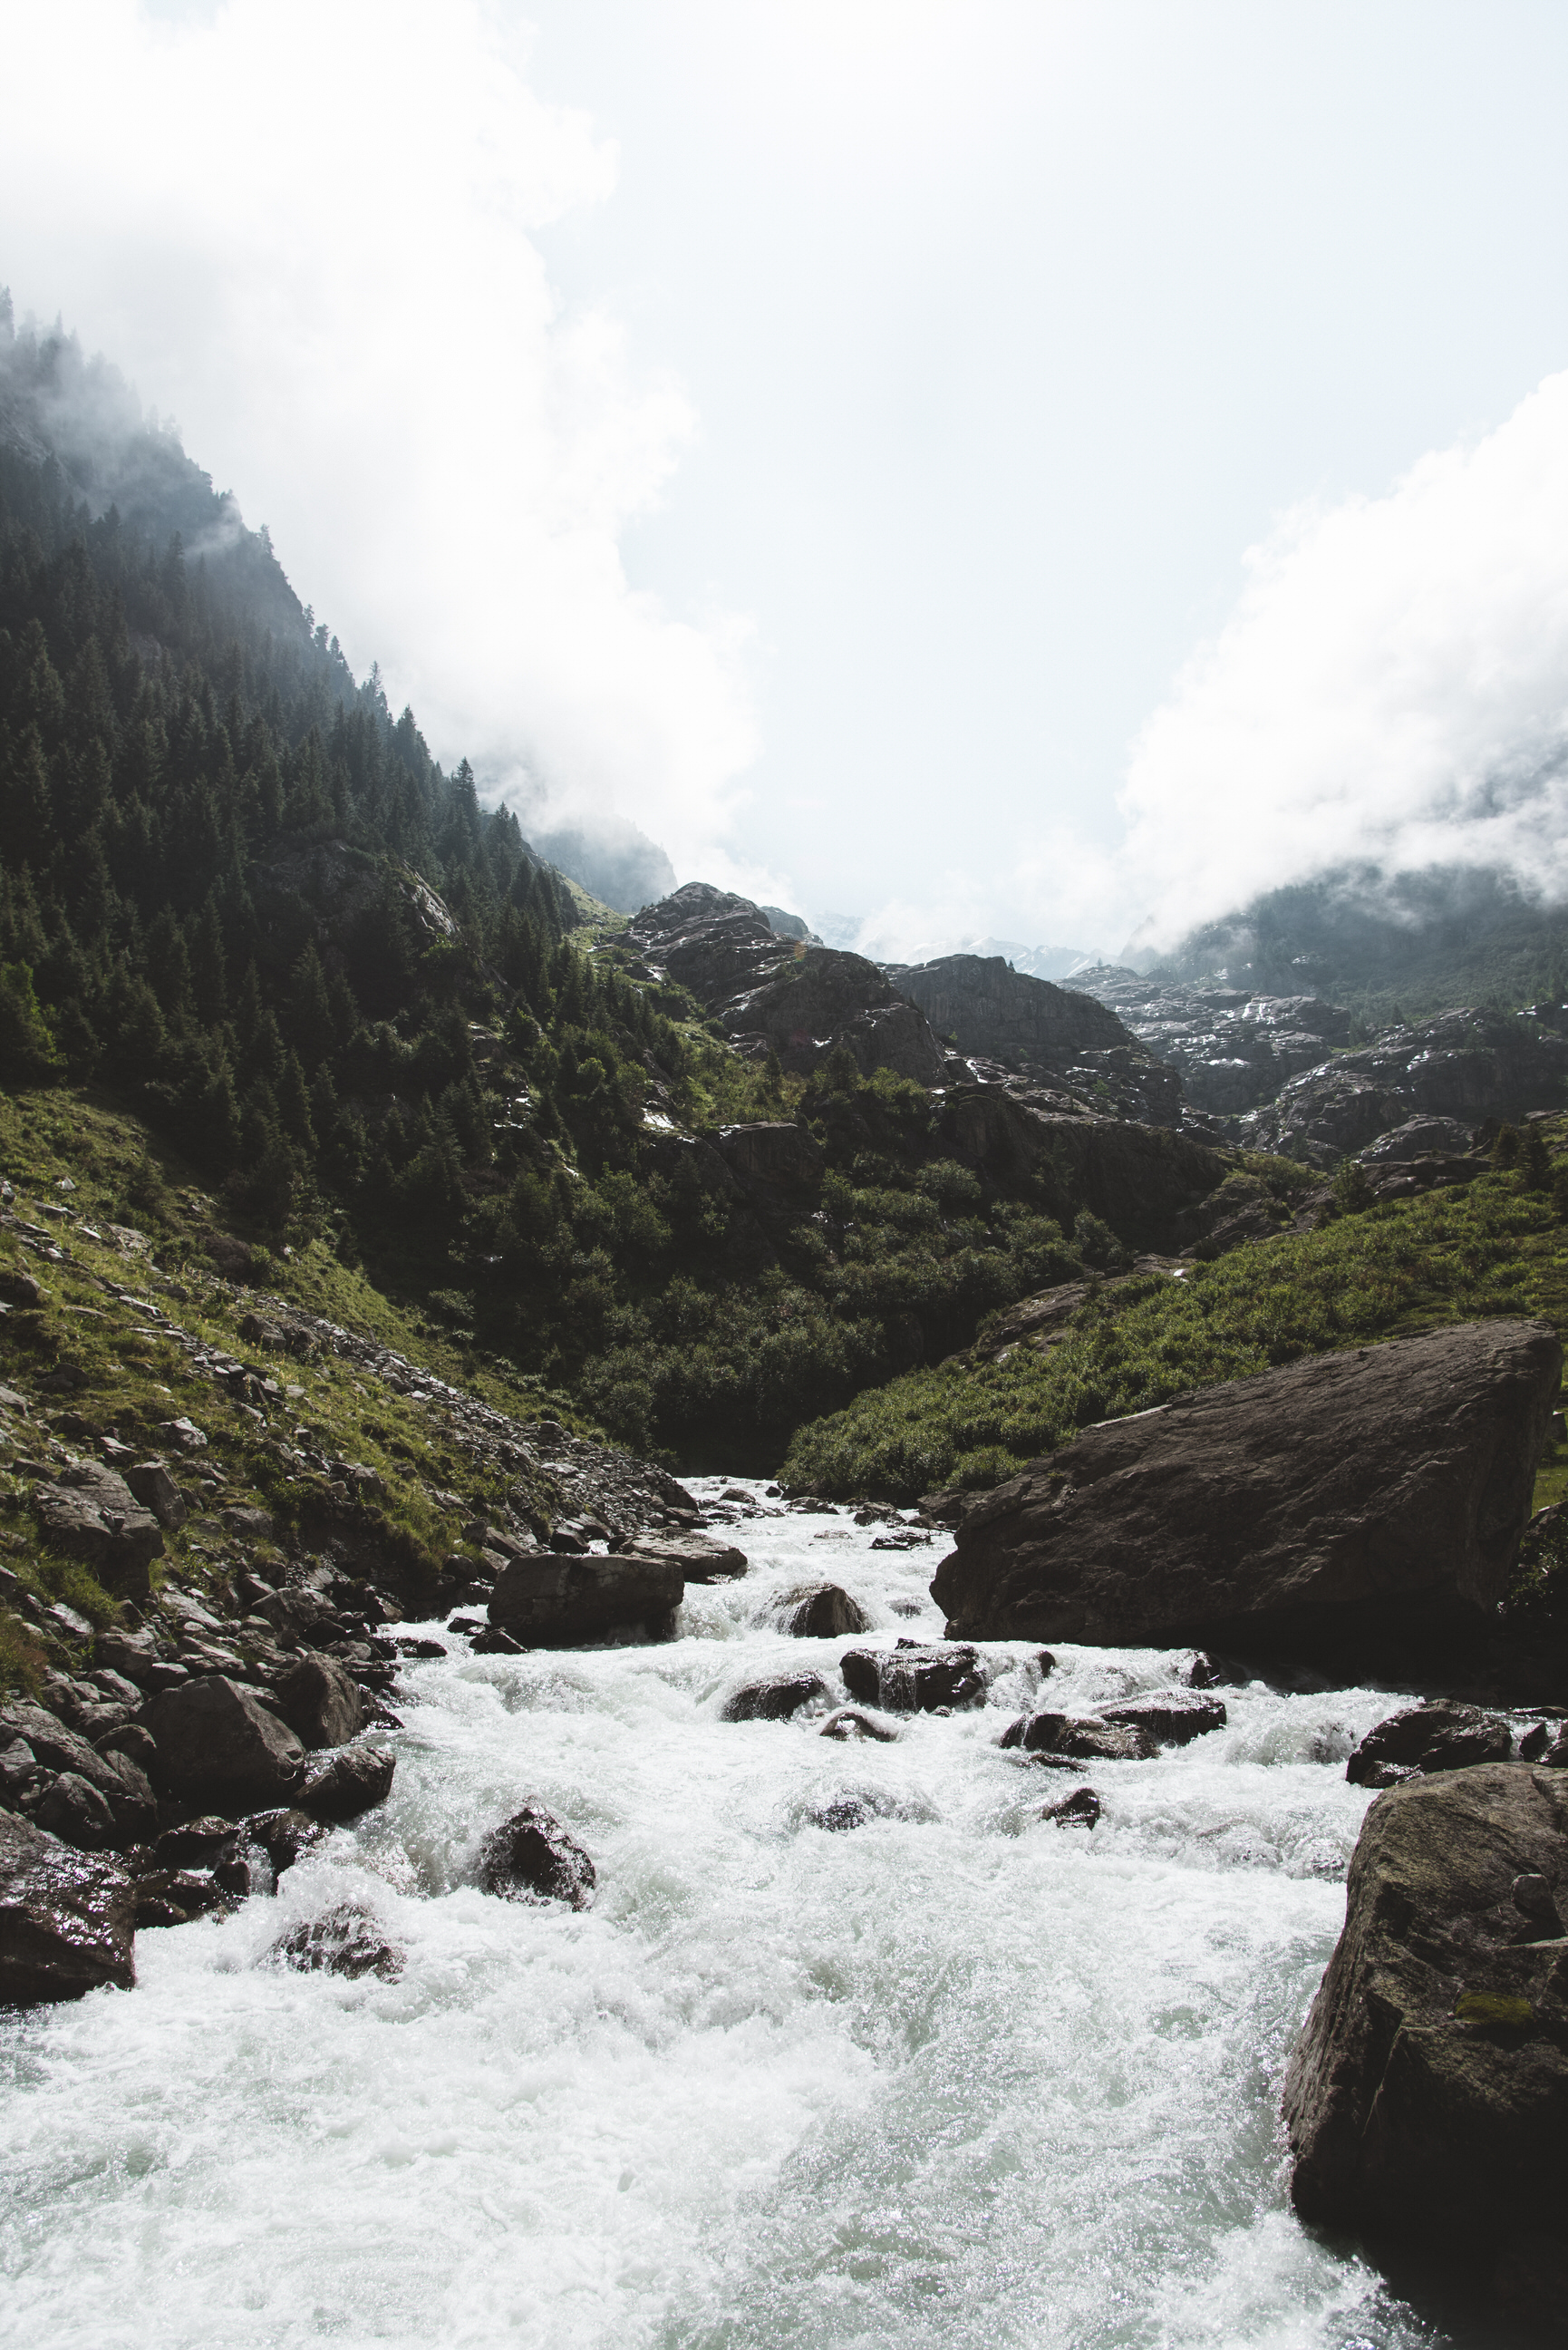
(1391,690)
(307,229)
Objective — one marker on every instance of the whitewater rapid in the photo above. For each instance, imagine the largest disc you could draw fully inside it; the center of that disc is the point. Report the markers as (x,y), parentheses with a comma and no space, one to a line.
(958,2076)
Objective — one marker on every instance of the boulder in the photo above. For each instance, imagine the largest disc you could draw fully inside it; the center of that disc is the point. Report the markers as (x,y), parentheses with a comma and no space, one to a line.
(696,1556)
(114,1775)
(1426,2093)
(555,1602)
(90,1513)
(917,1677)
(67,1921)
(319,1702)
(774,1700)
(340,1786)
(156,1491)
(286,1836)
(533,1856)
(1083,1738)
(217,1746)
(1172,1717)
(819,1611)
(77,1813)
(852,1721)
(348,1940)
(1353,1505)
(1429,1737)
(777,1151)
(1081,1809)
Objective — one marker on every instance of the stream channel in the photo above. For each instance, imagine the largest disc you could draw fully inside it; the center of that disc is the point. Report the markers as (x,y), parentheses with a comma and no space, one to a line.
(956,2076)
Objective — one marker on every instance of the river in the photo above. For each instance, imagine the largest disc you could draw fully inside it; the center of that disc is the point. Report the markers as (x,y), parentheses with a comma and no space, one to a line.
(955,2076)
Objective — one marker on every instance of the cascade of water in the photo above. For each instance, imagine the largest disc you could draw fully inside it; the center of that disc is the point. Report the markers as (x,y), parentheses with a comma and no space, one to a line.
(853,2047)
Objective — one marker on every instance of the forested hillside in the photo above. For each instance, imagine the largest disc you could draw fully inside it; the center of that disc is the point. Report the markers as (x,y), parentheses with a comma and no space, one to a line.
(240,898)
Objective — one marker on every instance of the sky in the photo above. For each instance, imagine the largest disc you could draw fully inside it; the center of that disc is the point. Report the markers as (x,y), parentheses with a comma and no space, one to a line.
(1038,470)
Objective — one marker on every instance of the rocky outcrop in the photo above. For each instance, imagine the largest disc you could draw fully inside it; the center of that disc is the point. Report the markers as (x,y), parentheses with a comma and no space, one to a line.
(555,1602)
(986,1006)
(1464,1066)
(533,1856)
(1138,1180)
(1359,1503)
(1429,1739)
(781,994)
(91,1513)
(68,1922)
(1425,2096)
(1233,1050)
(772,1153)
(219,1746)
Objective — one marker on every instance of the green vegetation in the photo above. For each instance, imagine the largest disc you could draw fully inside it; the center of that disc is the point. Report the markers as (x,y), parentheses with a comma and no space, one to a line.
(1497,1246)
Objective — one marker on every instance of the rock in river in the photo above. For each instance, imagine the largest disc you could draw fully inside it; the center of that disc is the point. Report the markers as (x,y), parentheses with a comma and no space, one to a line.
(1429,1737)
(915,1677)
(66,1923)
(534,1856)
(1426,2096)
(1355,1503)
(217,1746)
(818,1611)
(1086,1739)
(774,1700)
(549,1600)
(340,1786)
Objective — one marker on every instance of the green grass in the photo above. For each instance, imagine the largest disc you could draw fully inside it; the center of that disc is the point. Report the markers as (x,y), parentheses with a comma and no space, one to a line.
(1460,1255)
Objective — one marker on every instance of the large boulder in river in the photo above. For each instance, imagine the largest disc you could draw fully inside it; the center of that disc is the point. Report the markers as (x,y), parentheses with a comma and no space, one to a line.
(1356,1503)
(534,1856)
(550,1600)
(218,1748)
(695,1556)
(319,1702)
(1442,1736)
(915,1677)
(67,1921)
(1425,2094)
(818,1611)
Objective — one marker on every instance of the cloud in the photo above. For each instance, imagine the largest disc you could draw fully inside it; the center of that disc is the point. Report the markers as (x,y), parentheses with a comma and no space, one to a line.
(308,229)
(1392,690)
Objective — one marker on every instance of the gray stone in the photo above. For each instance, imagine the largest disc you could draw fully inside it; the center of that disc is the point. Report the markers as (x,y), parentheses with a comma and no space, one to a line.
(1172,1717)
(915,1677)
(819,1611)
(59,1749)
(340,1786)
(1082,1738)
(534,1856)
(319,1702)
(1349,1504)
(217,1746)
(555,1602)
(76,1811)
(67,1921)
(1425,2096)
(90,1513)
(1081,1809)
(348,1940)
(155,1489)
(1429,1737)
(696,1555)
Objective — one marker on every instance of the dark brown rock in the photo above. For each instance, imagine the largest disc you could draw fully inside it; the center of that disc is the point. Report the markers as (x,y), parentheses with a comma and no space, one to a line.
(114,1775)
(774,1700)
(1081,1809)
(218,1747)
(696,1556)
(286,1836)
(67,1921)
(1344,1504)
(90,1513)
(852,1721)
(819,1611)
(555,1602)
(915,1677)
(319,1702)
(1172,1717)
(156,1491)
(1429,1737)
(533,1856)
(77,1813)
(1081,1738)
(1425,2096)
(340,1786)
(349,1940)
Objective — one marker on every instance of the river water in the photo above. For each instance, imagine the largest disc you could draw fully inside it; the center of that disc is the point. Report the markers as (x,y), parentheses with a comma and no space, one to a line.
(956,2076)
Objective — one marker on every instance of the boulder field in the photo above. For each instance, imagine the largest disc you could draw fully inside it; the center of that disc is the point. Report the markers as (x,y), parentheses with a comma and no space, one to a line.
(1357,1504)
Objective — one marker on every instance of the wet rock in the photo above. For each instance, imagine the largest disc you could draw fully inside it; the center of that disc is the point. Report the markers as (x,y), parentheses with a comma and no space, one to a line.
(819,1611)
(697,1557)
(420,1650)
(61,1749)
(1531,2281)
(534,1856)
(285,1835)
(319,1702)
(488,1642)
(1081,1809)
(200,1842)
(173,1896)
(66,1921)
(90,1513)
(552,1602)
(851,1808)
(1429,1737)
(340,1786)
(77,1813)
(1349,1504)
(1082,1738)
(1172,1717)
(216,1745)
(348,1940)
(774,1700)
(156,1491)
(852,1721)
(1426,2093)
(917,1677)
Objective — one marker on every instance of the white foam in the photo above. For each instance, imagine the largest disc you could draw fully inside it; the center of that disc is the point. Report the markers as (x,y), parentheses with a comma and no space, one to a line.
(956,2077)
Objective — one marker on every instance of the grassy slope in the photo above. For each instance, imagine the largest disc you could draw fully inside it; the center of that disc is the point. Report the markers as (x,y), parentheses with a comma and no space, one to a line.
(1488,1249)
(131,1378)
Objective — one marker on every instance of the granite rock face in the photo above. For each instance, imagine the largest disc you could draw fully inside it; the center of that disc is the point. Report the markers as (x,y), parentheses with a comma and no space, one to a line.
(1343,1505)
(1425,2096)
(988,1007)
